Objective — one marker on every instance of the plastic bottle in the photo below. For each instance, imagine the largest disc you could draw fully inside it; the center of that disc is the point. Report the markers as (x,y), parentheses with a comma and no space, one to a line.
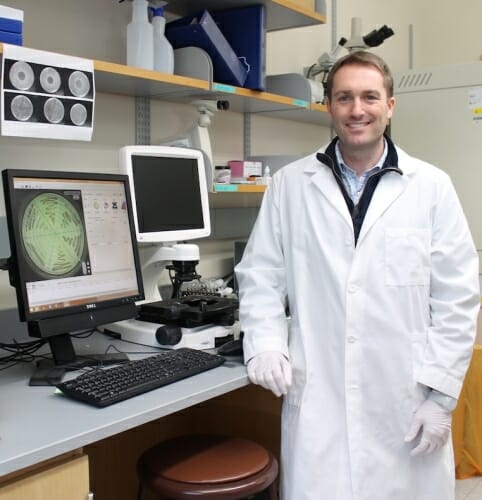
(267,176)
(140,50)
(163,51)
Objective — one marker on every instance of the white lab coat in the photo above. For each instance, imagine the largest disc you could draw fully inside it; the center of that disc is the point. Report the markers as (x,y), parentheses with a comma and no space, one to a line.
(371,326)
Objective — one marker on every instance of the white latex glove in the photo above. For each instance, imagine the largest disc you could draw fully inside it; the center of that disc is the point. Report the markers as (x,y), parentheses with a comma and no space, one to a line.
(435,423)
(271,370)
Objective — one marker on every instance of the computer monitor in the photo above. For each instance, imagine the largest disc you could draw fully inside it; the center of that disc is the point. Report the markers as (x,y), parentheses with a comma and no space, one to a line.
(169,193)
(74,260)
(171,206)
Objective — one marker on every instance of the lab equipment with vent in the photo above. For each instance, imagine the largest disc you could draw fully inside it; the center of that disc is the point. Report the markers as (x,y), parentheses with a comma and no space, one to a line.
(438,118)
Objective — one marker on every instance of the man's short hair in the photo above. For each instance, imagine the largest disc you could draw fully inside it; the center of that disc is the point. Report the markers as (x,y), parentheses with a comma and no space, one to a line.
(361,58)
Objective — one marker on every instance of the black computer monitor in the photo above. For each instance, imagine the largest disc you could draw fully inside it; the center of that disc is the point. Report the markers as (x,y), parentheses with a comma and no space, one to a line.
(169,193)
(74,260)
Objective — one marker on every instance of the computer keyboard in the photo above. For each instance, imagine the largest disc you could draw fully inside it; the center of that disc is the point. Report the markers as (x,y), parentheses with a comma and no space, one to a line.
(105,386)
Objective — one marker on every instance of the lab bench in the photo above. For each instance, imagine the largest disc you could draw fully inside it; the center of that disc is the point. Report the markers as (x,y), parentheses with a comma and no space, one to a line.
(44,434)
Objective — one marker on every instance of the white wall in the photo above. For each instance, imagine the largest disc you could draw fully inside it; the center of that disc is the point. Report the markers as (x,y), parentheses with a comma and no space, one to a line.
(93,29)
(447,32)
(290,51)
(444,32)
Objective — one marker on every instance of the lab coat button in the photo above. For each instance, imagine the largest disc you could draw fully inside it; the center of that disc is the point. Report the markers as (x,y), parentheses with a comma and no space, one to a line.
(351,339)
(352,288)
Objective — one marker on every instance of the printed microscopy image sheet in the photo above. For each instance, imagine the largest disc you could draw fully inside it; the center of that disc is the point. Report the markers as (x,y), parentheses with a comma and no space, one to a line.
(46,95)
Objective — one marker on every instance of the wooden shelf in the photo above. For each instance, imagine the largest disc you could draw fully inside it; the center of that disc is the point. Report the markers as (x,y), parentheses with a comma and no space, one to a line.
(125,80)
(278,106)
(280,14)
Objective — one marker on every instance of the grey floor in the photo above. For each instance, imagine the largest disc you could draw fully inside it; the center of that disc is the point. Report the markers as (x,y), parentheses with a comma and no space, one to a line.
(466,489)
(469,489)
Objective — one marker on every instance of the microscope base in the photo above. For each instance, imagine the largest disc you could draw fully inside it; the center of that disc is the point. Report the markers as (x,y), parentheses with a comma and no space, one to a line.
(143,332)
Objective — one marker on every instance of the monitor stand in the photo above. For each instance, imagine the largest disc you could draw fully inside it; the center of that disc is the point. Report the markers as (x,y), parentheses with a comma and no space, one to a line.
(51,371)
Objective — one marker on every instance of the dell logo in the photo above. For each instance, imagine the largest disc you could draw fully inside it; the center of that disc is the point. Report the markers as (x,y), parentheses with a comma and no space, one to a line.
(91,306)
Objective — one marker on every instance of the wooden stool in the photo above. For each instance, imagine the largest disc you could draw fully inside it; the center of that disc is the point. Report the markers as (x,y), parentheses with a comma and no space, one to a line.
(207,466)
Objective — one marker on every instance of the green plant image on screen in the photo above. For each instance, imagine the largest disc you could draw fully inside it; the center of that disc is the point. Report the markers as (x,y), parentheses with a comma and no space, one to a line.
(53,235)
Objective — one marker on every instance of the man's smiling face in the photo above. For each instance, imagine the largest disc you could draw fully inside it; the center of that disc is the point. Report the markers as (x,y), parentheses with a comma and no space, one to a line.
(359,108)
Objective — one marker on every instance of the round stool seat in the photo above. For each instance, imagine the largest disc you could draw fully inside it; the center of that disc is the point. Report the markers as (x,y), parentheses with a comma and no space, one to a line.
(207,466)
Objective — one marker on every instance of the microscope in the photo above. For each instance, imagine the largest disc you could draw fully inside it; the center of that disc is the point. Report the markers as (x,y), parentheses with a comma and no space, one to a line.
(181,258)
(194,321)
(356,42)
(169,194)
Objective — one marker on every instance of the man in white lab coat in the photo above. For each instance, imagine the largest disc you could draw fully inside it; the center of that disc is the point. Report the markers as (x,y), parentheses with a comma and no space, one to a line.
(371,250)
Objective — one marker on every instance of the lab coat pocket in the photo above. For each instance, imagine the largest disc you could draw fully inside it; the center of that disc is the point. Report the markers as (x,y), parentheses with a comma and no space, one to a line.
(407,257)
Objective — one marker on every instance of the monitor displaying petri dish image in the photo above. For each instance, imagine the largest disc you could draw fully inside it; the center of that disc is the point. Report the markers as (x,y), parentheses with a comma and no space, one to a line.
(74,260)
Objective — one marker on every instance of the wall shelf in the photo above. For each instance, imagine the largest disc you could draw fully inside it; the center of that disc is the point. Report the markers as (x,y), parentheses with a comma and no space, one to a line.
(125,80)
(280,14)
(277,106)
(112,78)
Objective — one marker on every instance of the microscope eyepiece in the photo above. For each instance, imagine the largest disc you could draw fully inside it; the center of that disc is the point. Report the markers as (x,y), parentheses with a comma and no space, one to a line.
(377,37)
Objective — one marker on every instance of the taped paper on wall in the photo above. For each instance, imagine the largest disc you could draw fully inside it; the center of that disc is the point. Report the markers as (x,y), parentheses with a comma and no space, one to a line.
(475,103)
(46,95)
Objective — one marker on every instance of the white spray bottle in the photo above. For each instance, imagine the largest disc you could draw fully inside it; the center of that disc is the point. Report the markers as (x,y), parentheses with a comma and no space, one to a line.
(163,51)
(140,50)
